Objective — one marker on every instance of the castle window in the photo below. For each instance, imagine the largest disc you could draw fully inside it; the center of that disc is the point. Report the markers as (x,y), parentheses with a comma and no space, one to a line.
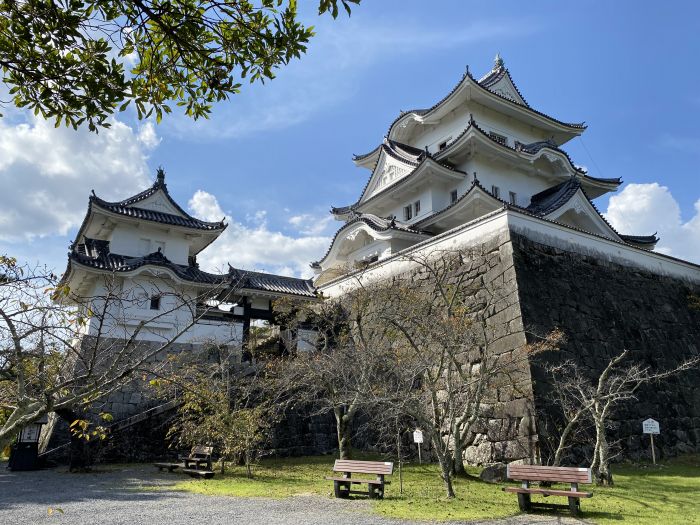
(155,302)
(453,196)
(501,139)
(416,208)
(496,191)
(513,197)
(407,213)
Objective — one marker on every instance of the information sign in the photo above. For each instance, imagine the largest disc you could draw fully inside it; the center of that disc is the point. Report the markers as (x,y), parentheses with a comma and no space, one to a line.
(650,426)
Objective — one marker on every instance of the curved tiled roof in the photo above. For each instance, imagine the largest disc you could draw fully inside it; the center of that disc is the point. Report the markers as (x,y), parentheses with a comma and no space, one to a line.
(421,158)
(127,208)
(541,204)
(551,199)
(531,149)
(156,216)
(112,262)
(496,74)
(640,239)
(468,76)
(378,224)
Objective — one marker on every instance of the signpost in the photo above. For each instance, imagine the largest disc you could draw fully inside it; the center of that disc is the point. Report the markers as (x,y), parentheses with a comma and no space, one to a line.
(651,427)
(418,439)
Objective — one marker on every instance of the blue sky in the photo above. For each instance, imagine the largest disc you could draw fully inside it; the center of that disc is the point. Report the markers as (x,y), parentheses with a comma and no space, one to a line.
(276,157)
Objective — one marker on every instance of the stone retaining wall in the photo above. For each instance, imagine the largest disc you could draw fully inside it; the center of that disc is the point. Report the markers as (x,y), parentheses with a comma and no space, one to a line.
(604,308)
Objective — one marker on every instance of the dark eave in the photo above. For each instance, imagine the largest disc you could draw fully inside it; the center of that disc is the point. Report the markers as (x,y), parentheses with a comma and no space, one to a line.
(532,149)
(378,224)
(237,278)
(641,240)
(551,199)
(269,282)
(468,76)
(135,212)
(541,204)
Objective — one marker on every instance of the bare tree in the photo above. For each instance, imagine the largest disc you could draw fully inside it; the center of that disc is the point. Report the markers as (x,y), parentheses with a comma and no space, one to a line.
(346,361)
(56,357)
(440,329)
(582,396)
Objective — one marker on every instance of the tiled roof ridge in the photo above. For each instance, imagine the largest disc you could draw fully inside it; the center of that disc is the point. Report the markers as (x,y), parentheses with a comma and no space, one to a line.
(488,215)
(496,74)
(565,189)
(508,205)
(519,146)
(641,239)
(159,184)
(157,216)
(244,278)
(378,224)
(467,75)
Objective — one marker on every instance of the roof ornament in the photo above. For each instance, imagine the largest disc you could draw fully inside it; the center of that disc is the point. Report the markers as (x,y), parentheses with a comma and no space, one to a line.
(471,119)
(160,175)
(476,180)
(498,61)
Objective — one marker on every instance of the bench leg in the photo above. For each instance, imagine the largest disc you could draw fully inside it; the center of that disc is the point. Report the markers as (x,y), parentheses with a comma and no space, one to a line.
(574,506)
(375,491)
(524,502)
(342,489)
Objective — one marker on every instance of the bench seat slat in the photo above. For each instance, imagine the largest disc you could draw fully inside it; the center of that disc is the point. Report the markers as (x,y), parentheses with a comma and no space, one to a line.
(546,473)
(364,467)
(549,492)
(549,477)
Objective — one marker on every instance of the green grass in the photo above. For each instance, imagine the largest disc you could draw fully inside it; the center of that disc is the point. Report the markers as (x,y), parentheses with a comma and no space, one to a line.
(643,494)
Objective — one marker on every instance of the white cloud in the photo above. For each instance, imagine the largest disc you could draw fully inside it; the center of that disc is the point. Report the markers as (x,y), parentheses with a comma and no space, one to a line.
(340,53)
(308,224)
(643,209)
(148,136)
(46,174)
(255,246)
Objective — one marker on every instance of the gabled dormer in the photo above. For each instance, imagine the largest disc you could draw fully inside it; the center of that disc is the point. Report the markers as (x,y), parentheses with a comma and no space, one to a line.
(499,81)
(146,222)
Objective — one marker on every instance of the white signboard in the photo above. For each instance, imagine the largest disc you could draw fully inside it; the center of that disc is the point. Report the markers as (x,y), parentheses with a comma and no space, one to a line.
(30,433)
(650,426)
(418,436)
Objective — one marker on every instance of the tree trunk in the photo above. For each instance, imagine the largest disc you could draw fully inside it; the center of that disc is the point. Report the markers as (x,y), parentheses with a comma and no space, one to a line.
(564,438)
(342,422)
(458,456)
(600,466)
(446,474)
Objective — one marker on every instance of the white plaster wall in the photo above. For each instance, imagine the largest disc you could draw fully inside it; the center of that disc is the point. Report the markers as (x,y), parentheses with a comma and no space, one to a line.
(426,206)
(452,124)
(126,240)
(124,316)
(505,177)
(504,221)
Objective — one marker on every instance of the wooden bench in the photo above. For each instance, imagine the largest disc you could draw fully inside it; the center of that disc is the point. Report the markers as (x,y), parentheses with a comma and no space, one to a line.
(375,487)
(197,464)
(198,473)
(169,466)
(200,456)
(529,473)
